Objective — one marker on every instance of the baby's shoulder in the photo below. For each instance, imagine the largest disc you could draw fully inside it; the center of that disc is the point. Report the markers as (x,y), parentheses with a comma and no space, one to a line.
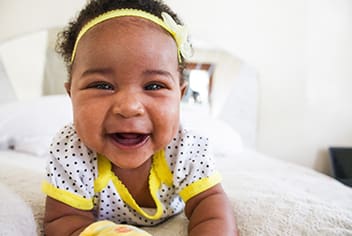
(185,144)
(188,138)
(189,157)
(67,145)
(66,133)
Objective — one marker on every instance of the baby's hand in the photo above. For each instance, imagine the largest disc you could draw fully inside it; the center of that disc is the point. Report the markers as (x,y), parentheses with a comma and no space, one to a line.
(108,228)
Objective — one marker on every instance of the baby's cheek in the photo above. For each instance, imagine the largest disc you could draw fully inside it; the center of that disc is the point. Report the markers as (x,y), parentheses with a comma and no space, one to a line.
(168,127)
(89,130)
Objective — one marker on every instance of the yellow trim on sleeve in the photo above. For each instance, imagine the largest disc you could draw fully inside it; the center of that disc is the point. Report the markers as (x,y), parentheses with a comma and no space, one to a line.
(199,186)
(67,197)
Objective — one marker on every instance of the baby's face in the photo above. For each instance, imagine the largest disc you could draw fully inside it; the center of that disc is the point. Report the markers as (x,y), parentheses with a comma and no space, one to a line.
(125,90)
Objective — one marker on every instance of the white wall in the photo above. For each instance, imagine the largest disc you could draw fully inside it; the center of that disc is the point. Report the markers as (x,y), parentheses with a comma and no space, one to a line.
(328,77)
(17,15)
(302,50)
(24,60)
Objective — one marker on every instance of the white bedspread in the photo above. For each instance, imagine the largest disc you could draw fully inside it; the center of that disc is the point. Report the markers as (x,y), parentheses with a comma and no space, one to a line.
(269,197)
(272,197)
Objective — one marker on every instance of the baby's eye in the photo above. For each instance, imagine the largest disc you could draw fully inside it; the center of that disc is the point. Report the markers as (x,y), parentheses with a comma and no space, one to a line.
(154,86)
(101,85)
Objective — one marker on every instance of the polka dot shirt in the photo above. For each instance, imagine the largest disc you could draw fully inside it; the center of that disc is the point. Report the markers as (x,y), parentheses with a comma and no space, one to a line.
(84,179)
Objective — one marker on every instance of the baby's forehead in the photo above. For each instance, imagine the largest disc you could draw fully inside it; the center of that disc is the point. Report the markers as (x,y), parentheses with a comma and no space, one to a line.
(128,30)
(127,40)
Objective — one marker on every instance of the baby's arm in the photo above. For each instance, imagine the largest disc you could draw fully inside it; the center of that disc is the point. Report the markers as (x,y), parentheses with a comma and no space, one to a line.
(63,220)
(210,213)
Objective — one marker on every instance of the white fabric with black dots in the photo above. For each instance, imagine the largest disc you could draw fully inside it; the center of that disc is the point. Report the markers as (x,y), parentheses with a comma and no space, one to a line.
(189,158)
(73,167)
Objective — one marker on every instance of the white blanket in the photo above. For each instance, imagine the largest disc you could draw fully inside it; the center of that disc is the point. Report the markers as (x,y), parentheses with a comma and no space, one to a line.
(272,197)
(269,197)
(15,215)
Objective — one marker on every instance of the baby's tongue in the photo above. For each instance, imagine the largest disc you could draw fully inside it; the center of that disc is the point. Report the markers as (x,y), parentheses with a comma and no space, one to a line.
(129,138)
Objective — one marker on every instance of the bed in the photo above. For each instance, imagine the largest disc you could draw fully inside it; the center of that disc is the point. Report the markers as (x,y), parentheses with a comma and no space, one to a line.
(268,196)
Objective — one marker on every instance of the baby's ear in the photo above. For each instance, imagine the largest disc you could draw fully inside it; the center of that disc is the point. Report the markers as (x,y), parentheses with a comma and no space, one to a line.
(68,88)
(183,88)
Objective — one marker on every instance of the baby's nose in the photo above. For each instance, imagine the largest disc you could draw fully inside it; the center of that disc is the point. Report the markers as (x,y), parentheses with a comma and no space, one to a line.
(128,105)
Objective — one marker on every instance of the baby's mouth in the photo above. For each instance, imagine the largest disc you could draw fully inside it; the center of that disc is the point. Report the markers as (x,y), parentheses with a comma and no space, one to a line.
(130,139)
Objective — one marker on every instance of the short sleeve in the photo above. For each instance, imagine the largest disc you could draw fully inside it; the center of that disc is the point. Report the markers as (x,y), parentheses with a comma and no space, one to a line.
(70,171)
(192,164)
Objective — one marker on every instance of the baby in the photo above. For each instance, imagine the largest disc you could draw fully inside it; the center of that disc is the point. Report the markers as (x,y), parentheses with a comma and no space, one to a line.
(126,159)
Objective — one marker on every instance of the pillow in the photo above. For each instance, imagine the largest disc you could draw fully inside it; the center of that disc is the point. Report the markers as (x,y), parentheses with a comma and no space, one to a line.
(7,93)
(30,126)
(223,138)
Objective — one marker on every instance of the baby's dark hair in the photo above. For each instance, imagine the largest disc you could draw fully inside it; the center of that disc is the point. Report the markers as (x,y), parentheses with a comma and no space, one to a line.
(67,38)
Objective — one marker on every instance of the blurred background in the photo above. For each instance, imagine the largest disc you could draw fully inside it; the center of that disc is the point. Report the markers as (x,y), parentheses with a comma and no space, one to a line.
(300,52)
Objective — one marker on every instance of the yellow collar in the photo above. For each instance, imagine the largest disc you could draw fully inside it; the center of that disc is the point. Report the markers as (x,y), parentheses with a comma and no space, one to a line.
(159,174)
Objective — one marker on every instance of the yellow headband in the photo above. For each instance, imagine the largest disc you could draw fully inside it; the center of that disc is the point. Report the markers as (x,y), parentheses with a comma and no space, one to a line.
(178,32)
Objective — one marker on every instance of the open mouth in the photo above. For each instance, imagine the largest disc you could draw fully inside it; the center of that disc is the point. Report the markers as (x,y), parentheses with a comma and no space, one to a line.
(130,139)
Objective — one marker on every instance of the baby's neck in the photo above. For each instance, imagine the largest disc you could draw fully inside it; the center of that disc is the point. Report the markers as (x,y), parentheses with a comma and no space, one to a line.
(137,182)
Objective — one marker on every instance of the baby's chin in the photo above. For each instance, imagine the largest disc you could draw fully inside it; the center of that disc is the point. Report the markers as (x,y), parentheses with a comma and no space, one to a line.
(128,159)
(131,165)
